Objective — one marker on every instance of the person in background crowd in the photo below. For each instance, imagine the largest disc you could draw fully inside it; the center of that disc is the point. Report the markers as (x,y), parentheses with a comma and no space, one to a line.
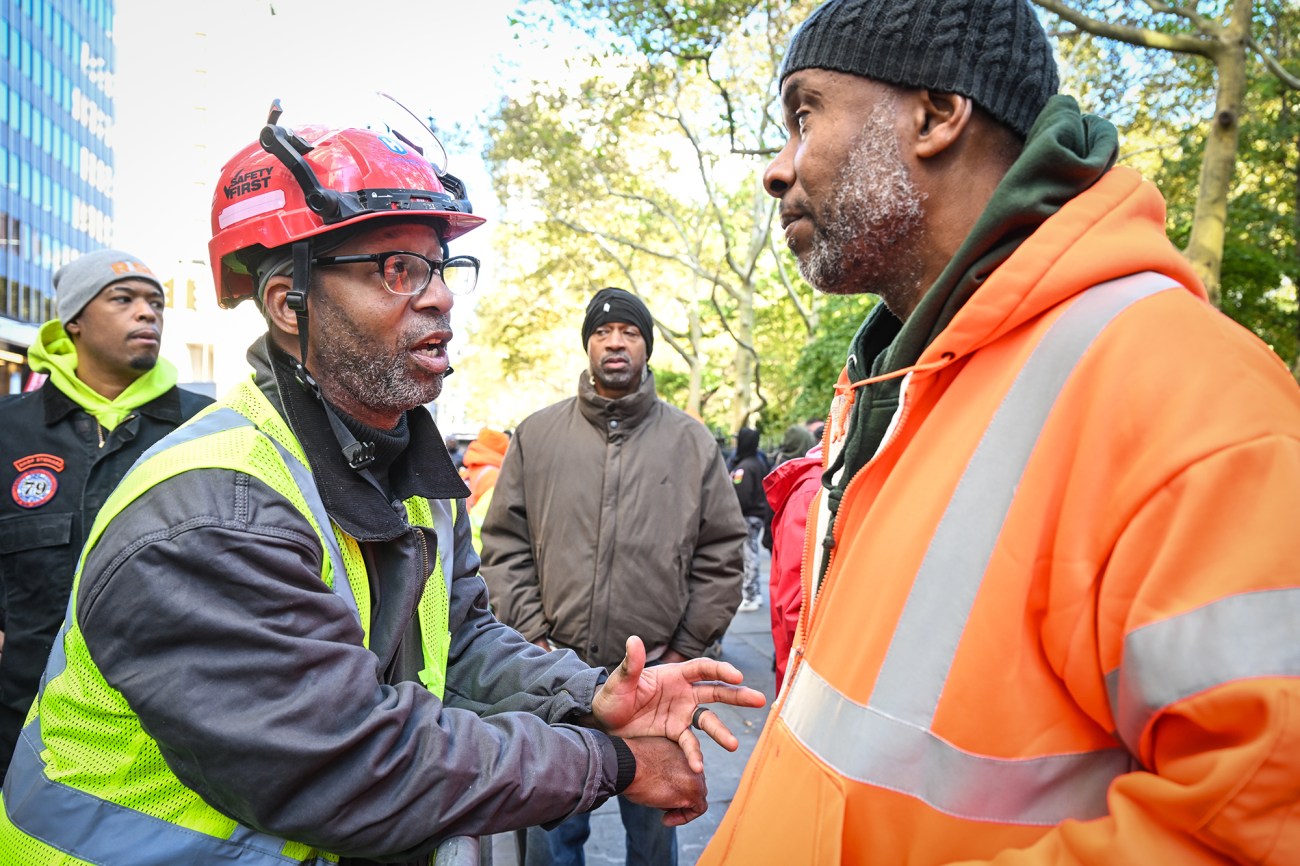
(454,451)
(613,516)
(65,446)
(747,470)
(796,442)
(815,427)
(279,649)
(483,462)
(482,465)
(1056,575)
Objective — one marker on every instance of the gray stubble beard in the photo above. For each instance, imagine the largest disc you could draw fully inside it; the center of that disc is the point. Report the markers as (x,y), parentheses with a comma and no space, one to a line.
(864,236)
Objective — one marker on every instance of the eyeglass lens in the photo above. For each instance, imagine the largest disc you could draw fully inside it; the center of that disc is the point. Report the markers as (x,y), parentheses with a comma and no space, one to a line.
(406,274)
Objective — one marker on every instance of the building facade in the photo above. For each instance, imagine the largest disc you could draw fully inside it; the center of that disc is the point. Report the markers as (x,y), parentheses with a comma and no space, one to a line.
(56,157)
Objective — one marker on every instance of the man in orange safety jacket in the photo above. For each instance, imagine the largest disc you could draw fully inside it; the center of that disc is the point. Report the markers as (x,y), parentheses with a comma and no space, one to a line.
(1054,595)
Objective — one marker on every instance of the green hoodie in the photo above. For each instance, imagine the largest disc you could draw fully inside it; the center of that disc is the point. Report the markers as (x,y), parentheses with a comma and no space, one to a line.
(1065,153)
(55,353)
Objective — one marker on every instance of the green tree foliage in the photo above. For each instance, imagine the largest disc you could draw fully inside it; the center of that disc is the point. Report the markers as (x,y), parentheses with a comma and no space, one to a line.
(1205,98)
(643,170)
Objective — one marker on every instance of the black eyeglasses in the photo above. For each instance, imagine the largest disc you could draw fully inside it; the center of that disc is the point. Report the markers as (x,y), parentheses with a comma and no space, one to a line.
(406,273)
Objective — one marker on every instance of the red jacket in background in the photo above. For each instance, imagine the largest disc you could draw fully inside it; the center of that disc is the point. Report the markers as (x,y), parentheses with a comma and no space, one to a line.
(790,490)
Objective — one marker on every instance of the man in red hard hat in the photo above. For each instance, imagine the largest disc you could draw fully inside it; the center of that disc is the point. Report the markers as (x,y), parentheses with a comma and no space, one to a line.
(278,647)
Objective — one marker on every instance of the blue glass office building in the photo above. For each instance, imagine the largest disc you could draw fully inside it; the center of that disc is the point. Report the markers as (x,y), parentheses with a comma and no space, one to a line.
(56,158)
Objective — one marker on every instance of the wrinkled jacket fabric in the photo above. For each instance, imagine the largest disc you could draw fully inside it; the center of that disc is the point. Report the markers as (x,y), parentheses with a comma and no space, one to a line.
(612,518)
(203,600)
(1141,600)
(40,543)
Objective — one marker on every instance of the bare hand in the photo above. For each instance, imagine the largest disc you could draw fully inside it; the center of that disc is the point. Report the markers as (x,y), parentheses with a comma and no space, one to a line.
(637,701)
(543,643)
(665,780)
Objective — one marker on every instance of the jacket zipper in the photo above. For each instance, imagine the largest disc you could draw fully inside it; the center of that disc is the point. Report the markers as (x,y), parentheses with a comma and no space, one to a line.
(805,579)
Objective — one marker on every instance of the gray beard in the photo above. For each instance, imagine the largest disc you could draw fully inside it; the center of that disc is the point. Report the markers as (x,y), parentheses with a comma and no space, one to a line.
(864,236)
(374,377)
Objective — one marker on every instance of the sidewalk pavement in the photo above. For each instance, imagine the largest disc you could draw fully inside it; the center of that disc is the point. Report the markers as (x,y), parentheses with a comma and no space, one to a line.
(747,645)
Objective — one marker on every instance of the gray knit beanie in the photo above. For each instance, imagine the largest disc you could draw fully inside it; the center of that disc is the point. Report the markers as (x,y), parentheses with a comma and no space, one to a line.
(78,282)
(993,51)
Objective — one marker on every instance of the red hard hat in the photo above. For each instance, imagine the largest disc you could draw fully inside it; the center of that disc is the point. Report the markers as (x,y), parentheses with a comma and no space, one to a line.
(358,175)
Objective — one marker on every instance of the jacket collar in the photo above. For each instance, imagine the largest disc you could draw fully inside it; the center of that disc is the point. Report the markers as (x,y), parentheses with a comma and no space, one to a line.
(165,407)
(423,469)
(628,411)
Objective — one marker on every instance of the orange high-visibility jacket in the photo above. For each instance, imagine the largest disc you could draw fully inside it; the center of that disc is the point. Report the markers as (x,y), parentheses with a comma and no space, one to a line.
(1061,617)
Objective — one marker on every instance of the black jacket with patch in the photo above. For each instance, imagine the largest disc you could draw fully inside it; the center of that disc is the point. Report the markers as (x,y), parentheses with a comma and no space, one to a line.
(57,466)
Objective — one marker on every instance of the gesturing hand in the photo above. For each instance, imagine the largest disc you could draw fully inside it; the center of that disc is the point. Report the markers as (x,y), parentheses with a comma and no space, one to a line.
(660,701)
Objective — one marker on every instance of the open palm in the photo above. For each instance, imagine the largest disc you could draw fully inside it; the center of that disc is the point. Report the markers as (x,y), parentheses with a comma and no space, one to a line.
(660,701)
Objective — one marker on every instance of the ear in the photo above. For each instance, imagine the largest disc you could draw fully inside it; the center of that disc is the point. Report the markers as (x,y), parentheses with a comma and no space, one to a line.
(276,306)
(72,329)
(941,118)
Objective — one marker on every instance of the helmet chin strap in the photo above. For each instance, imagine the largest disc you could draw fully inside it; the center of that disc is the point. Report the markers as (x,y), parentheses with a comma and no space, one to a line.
(359,455)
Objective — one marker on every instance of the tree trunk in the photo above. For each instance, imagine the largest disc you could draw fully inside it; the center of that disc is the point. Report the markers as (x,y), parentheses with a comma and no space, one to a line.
(695,397)
(1205,245)
(744,333)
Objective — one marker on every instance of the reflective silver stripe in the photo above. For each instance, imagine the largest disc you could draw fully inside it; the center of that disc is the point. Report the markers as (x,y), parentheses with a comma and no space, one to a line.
(865,744)
(219,421)
(891,744)
(1255,634)
(223,419)
(442,525)
(926,637)
(106,834)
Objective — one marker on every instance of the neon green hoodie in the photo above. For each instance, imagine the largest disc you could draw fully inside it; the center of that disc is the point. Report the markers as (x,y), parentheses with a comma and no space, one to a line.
(55,353)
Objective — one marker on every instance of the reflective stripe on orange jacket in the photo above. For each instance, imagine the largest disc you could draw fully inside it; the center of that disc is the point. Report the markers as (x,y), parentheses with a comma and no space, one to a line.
(1099,664)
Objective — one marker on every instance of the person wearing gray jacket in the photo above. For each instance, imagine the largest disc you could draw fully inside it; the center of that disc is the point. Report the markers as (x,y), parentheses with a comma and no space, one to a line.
(614,515)
(278,647)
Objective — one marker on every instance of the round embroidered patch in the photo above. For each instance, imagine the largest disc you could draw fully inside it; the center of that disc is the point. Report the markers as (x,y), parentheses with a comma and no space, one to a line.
(34,488)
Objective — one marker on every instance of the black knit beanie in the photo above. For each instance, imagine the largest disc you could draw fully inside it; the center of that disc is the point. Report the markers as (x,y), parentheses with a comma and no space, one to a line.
(619,305)
(993,51)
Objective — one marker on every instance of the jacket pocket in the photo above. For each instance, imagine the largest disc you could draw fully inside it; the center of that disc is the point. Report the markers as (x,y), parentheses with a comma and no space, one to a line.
(32,531)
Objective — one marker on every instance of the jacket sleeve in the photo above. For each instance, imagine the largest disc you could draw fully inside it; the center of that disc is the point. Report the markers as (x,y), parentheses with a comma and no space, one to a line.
(508,564)
(492,668)
(204,607)
(1200,609)
(716,565)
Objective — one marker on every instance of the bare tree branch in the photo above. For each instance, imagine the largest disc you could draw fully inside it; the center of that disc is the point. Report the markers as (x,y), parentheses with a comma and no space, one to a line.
(804,313)
(1273,66)
(748,347)
(1143,37)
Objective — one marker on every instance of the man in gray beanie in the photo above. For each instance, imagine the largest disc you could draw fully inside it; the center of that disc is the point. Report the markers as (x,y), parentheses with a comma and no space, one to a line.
(65,446)
(614,515)
(1046,621)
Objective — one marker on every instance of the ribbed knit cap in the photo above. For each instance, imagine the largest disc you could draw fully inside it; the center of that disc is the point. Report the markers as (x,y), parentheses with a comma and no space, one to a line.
(993,51)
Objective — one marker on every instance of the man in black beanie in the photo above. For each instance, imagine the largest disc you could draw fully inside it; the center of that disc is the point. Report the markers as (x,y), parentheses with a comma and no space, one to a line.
(614,515)
(1045,621)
